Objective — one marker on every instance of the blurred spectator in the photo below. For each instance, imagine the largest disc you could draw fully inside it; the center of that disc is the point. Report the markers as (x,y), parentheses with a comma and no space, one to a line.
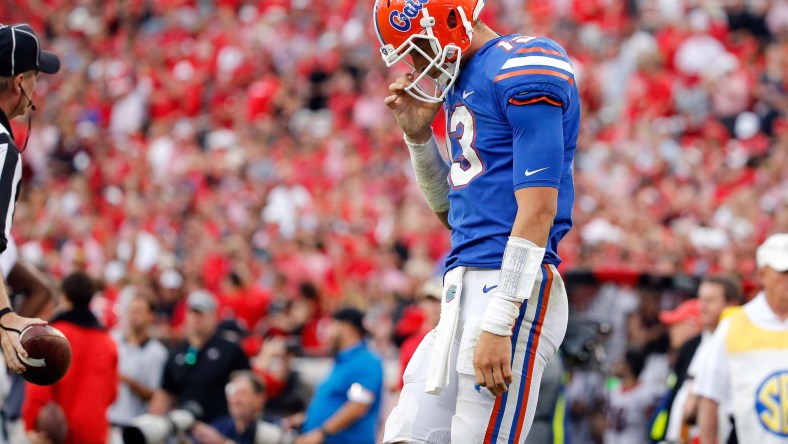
(32,294)
(308,319)
(585,393)
(246,398)
(286,394)
(549,421)
(684,325)
(170,305)
(242,301)
(746,359)
(648,334)
(715,294)
(141,361)
(345,407)
(644,324)
(430,309)
(198,369)
(630,403)
(700,49)
(51,427)
(90,385)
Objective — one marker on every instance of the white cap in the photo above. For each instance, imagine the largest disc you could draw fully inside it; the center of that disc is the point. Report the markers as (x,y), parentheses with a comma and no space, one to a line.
(773,253)
(202,301)
(433,288)
(170,279)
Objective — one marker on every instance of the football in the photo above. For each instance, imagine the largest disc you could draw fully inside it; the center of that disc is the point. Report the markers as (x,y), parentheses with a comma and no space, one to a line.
(49,354)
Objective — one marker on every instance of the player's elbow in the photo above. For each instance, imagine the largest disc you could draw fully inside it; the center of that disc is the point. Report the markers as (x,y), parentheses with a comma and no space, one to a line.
(539,213)
(537,206)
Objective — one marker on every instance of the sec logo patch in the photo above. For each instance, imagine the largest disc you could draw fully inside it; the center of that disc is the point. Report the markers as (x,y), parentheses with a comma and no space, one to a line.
(771,403)
(451,293)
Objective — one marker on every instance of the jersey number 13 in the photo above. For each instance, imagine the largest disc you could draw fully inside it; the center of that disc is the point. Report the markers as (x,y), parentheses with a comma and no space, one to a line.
(467,165)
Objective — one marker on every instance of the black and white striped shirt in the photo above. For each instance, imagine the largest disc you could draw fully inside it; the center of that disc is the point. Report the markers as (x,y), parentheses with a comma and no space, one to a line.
(10,176)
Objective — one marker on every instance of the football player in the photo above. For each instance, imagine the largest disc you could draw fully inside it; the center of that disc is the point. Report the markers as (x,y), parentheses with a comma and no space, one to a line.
(512,114)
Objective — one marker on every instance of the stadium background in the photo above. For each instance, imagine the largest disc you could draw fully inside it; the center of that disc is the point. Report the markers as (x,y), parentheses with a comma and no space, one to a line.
(244,147)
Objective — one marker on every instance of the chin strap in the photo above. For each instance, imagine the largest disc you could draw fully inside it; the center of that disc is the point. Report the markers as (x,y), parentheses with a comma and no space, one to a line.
(467,24)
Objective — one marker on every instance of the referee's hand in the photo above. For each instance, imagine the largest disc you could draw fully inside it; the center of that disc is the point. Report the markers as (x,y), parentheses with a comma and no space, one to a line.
(12,325)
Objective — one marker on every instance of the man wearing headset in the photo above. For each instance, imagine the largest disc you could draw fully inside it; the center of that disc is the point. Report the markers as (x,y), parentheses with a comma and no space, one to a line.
(21,60)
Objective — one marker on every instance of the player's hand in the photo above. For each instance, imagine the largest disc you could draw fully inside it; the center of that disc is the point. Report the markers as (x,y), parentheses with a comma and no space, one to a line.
(413,116)
(492,362)
(9,339)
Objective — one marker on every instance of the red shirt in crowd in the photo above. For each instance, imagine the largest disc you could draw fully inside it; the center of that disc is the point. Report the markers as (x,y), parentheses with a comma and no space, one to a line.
(88,388)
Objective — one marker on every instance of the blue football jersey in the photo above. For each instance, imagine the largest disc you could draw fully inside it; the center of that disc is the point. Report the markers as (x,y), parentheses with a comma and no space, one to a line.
(512,82)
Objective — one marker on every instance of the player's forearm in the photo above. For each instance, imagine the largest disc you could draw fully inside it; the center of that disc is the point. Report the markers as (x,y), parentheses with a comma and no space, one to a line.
(431,173)
(536,209)
(707,421)
(349,413)
(522,258)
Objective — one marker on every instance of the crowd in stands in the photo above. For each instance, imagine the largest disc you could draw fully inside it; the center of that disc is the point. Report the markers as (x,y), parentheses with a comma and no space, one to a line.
(243,148)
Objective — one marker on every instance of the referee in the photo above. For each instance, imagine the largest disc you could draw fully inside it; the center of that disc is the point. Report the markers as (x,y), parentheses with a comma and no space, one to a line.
(21,59)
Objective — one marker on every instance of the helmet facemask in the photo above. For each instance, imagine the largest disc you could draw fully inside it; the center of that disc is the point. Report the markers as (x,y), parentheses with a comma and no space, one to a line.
(437,76)
(443,65)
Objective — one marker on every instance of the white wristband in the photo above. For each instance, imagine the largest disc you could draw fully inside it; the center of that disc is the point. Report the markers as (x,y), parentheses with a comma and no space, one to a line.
(499,317)
(521,261)
(431,173)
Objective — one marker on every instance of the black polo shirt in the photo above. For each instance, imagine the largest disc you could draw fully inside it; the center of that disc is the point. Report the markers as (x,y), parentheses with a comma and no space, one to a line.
(10,176)
(201,375)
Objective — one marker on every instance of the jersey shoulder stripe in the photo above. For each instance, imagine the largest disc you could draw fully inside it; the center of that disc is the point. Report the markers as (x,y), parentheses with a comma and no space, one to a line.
(533,65)
(535,60)
(535,56)
(535,73)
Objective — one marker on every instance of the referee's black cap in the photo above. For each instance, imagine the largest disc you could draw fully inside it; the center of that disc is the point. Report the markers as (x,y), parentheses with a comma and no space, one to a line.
(20,51)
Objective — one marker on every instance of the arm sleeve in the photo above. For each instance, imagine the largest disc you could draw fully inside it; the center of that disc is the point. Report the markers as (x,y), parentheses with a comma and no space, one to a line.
(713,379)
(538,144)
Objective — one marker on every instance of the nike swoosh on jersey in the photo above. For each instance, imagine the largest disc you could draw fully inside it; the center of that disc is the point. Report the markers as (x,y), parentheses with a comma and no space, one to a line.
(530,173)
(487,289)
(465,94)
